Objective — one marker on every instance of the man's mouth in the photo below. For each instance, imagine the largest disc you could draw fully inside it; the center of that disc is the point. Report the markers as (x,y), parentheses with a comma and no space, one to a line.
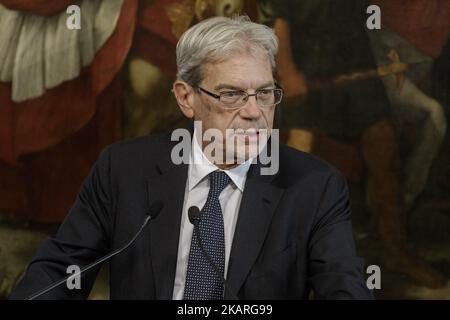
(249,135)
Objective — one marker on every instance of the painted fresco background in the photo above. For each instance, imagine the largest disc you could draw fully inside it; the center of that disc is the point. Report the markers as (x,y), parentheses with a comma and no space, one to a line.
(375,103)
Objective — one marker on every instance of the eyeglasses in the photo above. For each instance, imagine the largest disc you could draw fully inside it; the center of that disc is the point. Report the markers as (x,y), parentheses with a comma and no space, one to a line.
(234,99)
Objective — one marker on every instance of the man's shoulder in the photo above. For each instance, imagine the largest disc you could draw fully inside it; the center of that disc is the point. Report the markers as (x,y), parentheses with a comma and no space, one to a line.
(297,165)
(149,144)
(137,150)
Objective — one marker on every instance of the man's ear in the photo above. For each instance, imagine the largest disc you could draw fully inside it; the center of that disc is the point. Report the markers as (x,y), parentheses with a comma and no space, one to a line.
(184,94)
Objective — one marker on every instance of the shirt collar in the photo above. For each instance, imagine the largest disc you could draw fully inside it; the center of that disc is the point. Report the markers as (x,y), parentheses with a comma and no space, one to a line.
(200,167)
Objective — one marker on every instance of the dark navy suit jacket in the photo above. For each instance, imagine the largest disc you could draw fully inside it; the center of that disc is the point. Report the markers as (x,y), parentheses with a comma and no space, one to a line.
(293,233)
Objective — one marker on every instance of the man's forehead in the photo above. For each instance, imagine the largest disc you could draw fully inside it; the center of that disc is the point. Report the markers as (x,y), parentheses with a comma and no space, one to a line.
(244,58)
(237,85)
(236,74)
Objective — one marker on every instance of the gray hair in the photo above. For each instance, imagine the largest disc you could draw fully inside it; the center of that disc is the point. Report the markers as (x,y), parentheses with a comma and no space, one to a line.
(215,39)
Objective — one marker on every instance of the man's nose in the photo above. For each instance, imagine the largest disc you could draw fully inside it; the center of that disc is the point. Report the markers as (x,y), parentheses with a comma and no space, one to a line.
(251,108)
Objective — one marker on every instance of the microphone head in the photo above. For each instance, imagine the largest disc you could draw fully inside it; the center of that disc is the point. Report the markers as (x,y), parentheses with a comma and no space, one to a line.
(155,208)
(194,215)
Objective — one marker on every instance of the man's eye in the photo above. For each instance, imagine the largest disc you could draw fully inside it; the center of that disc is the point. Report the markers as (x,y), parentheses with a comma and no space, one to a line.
(230,94)
(265,91)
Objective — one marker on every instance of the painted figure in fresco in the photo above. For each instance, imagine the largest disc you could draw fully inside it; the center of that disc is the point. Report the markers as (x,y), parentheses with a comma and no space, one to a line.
(59,105)
(60,98)
(321,43)
(418,32)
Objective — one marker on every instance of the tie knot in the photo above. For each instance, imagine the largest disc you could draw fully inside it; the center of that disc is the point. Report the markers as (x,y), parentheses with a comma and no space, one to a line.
(218,180)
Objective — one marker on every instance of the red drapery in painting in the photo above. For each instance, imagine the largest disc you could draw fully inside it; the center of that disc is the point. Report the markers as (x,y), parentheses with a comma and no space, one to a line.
(49,143)
(39,7)
(424,23)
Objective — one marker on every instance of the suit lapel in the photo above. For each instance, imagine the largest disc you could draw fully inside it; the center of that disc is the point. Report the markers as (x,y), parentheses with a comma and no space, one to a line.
(169,187)
(258,205)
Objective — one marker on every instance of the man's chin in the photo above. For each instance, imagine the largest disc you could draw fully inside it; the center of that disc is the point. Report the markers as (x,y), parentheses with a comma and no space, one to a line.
(246,152)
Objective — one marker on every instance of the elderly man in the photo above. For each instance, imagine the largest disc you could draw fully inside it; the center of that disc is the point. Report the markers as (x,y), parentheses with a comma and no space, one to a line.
(259,234)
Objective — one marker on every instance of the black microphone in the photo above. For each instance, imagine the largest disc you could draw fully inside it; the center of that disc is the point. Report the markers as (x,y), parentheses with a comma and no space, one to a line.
(153,212)
(194,218)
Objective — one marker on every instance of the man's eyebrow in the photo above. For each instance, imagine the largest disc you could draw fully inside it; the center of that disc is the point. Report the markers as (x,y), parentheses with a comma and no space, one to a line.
(229,86)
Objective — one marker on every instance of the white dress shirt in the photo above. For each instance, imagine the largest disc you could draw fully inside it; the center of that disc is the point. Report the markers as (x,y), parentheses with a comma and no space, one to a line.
(197,188)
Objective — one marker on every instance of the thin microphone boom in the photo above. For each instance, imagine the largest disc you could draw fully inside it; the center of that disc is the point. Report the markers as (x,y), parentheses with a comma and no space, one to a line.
(154,210)
(194,218)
